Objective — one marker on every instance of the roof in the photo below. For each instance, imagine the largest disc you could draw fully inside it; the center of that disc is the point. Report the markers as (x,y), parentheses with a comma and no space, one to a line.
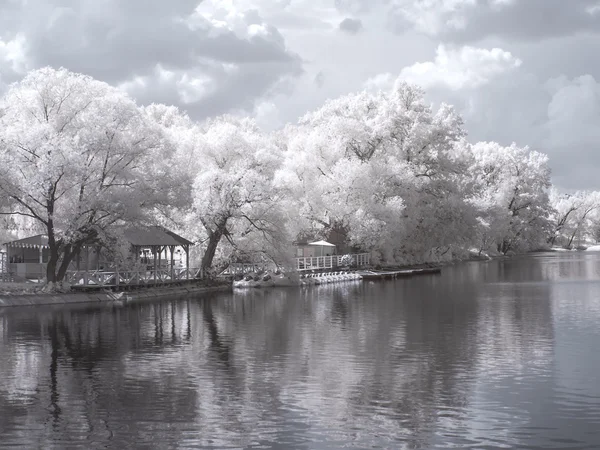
(140,236)
(147,236)
(41,240)
(322,243)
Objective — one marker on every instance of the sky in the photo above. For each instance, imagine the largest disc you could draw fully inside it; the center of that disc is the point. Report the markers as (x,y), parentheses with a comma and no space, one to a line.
(523,71)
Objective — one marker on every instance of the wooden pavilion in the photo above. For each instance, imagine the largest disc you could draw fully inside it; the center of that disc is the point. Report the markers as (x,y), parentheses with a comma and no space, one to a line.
(153,246)
(149,244)
(26,258)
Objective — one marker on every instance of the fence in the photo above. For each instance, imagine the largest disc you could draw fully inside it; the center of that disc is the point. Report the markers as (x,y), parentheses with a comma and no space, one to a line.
(243,268)
(331,262)
(132,277)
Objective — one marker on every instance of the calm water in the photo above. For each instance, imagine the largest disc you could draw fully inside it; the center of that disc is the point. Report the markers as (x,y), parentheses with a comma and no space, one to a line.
(502,354)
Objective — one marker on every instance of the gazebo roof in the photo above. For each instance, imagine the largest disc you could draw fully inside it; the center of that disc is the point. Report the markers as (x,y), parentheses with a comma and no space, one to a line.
(149,236)
(322,243)
(139,236)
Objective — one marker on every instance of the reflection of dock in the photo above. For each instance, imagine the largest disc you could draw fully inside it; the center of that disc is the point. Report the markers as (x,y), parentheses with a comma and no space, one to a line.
(387,274)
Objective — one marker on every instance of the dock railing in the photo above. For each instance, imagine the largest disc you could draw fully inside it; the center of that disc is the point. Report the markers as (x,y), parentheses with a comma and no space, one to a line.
(132,277)
(332,262)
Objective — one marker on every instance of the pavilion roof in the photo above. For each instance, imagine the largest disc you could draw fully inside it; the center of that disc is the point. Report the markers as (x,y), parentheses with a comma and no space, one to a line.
(139,236)
(150,236)
(41,240)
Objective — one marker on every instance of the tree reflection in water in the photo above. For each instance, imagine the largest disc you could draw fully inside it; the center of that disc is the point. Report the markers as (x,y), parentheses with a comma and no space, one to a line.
(459,359)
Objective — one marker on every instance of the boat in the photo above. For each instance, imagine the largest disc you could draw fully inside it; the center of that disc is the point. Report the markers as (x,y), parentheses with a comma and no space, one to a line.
(267,279)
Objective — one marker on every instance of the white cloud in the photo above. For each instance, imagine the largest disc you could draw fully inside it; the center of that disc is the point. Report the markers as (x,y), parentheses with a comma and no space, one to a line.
(277,59)
(574,113)
(473,20)
(209,60)
(13,52)
(434,16)
(380,82)
(268,116)
(466,67)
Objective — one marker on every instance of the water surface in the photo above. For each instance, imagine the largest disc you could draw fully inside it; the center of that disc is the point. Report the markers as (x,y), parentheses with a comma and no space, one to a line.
(501,354)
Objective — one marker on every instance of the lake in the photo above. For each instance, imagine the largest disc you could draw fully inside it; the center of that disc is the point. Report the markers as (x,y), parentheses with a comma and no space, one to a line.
(499,354)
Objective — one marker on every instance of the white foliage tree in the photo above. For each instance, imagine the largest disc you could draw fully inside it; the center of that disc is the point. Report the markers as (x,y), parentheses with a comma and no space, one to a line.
(384,167)
(233,194)
(511,193)
(572,215)
(77,156)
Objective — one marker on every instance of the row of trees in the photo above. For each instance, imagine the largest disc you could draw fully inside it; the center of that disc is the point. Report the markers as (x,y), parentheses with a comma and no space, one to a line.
(78,158)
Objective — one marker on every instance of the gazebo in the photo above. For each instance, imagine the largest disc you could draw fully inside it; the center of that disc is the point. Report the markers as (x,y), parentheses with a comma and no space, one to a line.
(27,258)
(150,244)
(323,248)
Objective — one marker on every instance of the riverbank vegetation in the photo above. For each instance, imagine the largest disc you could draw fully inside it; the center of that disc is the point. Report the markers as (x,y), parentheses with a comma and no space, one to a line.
(390,173)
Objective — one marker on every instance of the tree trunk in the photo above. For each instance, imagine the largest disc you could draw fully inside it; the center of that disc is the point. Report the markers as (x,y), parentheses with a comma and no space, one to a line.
(52,263)
(214,237)
(69,253)
(570,243)
(504,247)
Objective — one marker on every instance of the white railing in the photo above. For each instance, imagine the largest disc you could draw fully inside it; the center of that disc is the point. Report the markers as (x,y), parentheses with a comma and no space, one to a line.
(330,262)
(131,277)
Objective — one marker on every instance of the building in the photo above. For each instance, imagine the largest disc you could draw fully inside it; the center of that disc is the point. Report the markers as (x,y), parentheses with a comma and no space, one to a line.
(151,247)
(315,249)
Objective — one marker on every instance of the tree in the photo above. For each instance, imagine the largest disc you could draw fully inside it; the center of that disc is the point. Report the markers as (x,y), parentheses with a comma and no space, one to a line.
(588,203)
(384,167)
(77,156)
(233,194)
(511,188)
(564,206)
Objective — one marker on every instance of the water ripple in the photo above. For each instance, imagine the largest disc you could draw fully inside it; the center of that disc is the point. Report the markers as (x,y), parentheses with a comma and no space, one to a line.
(488,355)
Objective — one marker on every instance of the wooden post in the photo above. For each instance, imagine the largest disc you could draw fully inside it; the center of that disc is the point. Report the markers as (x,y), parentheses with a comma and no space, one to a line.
(186,249)
(87,265)
(154,254)
(172,248)
(160,252)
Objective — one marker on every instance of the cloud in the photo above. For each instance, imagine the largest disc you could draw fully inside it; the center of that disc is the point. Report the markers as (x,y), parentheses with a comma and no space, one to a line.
(278,59)
(356,6)
(320,79)
(380,82)
(268,116)
(574,113)
(208,60)
(350,26)
(12,56)
(557,116)
(500,100)
(472,20)
(459,68)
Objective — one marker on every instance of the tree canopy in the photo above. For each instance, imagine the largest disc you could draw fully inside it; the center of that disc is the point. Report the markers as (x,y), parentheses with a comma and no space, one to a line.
(388,172)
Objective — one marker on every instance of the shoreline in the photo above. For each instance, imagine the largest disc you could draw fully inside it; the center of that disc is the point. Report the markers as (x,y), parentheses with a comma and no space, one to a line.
(107,298)
(9,300)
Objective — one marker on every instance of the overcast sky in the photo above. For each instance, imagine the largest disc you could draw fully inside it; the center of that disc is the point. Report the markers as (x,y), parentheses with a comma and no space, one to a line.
(518,70)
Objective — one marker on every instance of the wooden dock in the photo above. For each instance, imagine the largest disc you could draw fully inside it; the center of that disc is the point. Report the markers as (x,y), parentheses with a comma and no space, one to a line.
(390,274)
